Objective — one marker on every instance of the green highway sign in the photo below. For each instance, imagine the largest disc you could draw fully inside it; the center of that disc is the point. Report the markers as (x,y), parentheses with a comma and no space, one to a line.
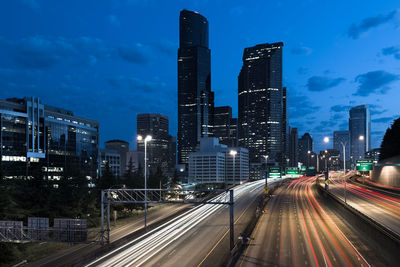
(311,168)
(303,168)
(364,165)
(292,171)
(274,172)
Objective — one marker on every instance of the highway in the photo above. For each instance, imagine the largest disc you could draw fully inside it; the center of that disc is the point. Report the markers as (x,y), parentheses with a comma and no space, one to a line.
(383,208)
(190,239)
(300,228)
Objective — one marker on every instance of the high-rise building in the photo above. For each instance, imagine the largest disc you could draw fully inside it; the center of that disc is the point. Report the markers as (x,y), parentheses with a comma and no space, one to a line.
(360,131)
(293,147)
(225,126)
(285,127)
(38,138)
(306,144)
(111,158)
(195,99)
(155,125)
(121,147)
(341,138)
(215,163)
(260,101)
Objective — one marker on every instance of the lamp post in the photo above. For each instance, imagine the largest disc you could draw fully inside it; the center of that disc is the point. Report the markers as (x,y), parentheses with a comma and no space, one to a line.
(265,170)
(146,139)
(308,152)
(233,154)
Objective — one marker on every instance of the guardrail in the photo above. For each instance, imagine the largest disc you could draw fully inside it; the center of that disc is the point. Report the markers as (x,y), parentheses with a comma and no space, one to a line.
(386,240)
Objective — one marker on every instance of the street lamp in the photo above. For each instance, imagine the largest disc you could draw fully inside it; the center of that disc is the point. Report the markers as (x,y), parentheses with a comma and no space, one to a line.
(308,152)
(233,154)
(146,139)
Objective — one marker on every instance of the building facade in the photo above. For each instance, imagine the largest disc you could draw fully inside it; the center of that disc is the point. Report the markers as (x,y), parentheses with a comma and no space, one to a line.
(158,149)
(340,139)
(195,98)
(225,127)
(38,138)
(111,158)
(360,132)
(214,163)
(121,147)
(293,147)
(306,146)
(260,102)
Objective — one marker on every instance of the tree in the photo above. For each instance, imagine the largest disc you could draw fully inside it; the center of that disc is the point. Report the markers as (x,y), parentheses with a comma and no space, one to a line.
(390,146)
(107,179)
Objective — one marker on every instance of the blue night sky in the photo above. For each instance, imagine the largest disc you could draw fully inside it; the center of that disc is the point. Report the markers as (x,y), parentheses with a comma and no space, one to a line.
(108,60)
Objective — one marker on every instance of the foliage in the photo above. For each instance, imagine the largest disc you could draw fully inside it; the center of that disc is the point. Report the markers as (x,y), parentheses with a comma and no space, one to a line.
(390,146)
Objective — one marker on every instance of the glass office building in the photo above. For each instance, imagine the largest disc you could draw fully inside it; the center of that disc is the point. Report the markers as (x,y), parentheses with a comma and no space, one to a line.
(261,108)
(360,132)
(40,138)
(195,98)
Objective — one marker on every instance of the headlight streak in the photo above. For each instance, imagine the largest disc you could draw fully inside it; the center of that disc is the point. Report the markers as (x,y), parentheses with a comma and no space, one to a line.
(156,240)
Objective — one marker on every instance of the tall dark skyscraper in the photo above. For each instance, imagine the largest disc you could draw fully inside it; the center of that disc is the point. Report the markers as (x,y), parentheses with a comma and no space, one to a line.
(195,99)
(306,143)
(360,131)
(261,102)
(158,150)
(293,147)
(225,126)
(285,125)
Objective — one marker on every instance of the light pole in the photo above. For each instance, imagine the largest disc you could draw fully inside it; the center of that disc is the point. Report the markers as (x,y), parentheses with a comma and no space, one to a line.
(265,170)
(233,154)
(308,152)
(146,139)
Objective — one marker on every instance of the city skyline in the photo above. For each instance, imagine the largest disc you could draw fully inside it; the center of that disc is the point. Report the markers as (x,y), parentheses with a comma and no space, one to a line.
(87,70)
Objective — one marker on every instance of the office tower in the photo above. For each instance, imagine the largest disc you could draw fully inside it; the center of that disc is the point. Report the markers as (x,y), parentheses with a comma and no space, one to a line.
(155,125)
(215,163)
(225,127)
(306,144)
(38,138)
(340,139)
(285,127)
(293,147)
(260,102)
(195,99)
(121,147)
(360,131)
(172,151)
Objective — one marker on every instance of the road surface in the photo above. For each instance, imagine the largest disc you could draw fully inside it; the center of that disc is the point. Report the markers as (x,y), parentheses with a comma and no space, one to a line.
(190,239)
(299,228)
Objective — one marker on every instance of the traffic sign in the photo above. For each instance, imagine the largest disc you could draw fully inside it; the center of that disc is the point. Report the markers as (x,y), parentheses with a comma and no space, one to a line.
(364,165)
(274,172)
(292,171)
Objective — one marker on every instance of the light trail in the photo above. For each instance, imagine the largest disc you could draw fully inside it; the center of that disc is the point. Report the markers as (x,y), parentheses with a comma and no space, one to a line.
(140,250)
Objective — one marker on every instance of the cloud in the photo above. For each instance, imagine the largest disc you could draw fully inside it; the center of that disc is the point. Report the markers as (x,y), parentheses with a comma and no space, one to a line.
(113,20)
(135,85)
(340,108)
(39,52)
(383,120)
(236,11)
(374,82)
(322,83)
(325,126)
(368,23)
(302,70)
(167,47)
(138,53)
(301,106)
(392,50)
(376,109)
(31,3)
(301,50)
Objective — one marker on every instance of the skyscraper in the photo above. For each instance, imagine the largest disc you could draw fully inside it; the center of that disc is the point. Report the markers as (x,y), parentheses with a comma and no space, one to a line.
(306,144)
(341,138)
(360,131)
(285,126)
(293,147)
(224,127)
(158,148)
(260,98)
(121,147)
(195,99)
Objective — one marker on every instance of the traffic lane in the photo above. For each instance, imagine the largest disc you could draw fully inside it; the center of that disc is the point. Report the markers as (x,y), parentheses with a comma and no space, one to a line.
(193,248)
(139,250)
(291,226)
(379,212)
